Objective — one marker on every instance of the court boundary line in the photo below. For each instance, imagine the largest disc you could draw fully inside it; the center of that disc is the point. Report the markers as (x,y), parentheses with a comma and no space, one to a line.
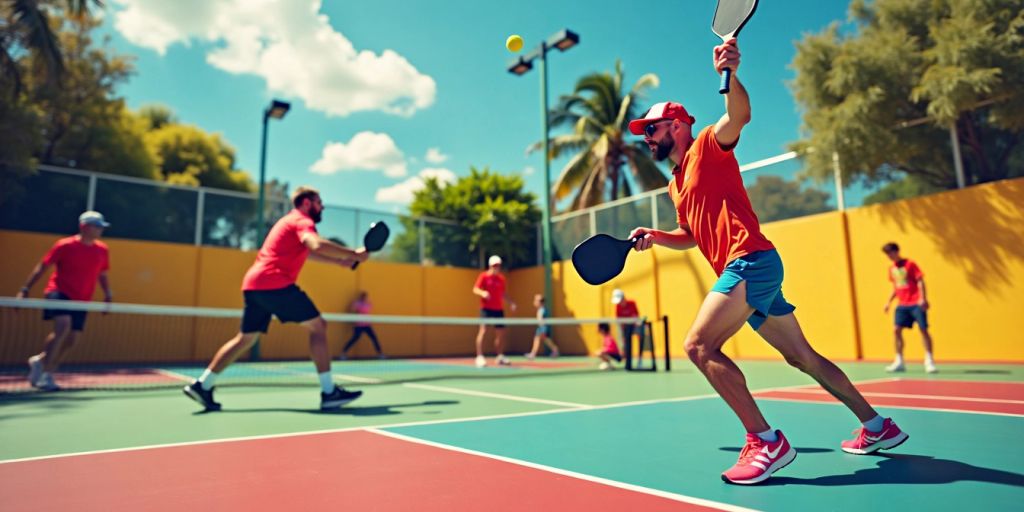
(408,424)
(565,472)
(870,394)
(932,409)
(487,394)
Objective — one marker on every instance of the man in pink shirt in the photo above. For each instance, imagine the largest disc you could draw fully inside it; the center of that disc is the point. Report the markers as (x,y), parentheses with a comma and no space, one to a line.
(490,287)
(79,261)
(269,289)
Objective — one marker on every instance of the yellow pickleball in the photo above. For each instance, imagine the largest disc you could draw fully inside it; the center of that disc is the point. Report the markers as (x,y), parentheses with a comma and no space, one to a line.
(514,43)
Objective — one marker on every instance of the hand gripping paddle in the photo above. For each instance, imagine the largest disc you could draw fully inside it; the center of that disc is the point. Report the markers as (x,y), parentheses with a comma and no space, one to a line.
(730,17)
(601,257)
(375,238)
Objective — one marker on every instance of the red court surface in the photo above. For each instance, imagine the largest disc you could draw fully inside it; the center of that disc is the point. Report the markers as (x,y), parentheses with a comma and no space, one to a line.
(355,470)
(963,396)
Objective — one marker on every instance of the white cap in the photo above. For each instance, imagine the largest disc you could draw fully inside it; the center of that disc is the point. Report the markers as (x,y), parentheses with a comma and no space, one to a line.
(617,296)
(494,260)
(93,218)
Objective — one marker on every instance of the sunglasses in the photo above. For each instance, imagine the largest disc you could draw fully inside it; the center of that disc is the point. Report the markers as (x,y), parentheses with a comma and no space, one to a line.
(651,128)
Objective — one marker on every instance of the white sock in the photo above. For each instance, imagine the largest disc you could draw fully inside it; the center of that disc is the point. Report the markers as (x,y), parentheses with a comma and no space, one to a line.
(207,379)
(899,360)
(874,424)
(326,384)
(928,358)
(768,436)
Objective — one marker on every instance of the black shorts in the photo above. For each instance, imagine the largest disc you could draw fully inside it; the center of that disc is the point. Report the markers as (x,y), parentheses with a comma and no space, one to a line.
(288,304)
(77,317)
(906,316)
(616,356)
(493,313)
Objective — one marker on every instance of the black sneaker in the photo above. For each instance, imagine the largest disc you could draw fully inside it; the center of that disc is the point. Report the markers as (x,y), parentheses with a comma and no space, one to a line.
(196,392)
(337,398)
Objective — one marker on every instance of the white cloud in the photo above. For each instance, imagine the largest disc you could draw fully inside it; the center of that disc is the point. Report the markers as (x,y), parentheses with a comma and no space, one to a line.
(402,193)
(289,44)
(435,156)
(529,170)
(367,151)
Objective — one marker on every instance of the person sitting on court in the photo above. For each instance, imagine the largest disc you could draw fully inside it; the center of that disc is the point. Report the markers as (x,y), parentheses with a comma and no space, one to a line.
(543,333)
(490,287)
(908,287)
(79,261)
(361,306)
(626,308)
(609,348)
(269,289)
(714,214)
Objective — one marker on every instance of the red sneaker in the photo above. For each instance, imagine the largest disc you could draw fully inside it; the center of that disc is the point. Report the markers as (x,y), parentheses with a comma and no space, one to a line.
(759,459)
(869,442)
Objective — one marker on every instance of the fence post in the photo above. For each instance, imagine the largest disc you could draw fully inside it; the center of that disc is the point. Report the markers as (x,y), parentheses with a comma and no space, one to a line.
(540,243)
(837,175)
(200,204)
(654,211)
(958,162)
(90,199)
(592,216)
(423,240)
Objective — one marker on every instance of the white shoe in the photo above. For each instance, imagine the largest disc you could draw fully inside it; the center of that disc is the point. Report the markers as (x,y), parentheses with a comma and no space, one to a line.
(896,367)
(502,360)
(604,366)
(35,369)
(46,382)
(528,356)
(480,361)
(929,367)
(555,354)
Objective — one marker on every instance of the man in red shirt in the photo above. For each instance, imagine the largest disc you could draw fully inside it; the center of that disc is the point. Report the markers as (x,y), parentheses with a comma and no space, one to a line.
(626,308)
(908,286)
(714,214)
(490,287)
(79,261)
(269,289)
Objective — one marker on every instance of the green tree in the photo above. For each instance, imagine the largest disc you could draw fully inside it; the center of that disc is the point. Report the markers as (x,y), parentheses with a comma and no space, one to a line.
(187,155)
(599,111)
(944,62)
(775,198)
(491,213)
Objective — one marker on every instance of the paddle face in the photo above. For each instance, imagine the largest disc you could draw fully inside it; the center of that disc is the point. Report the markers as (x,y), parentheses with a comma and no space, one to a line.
(730,17)
(375,238)
(600,258)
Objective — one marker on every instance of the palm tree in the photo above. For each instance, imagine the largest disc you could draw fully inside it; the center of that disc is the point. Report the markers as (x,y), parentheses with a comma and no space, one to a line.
(25,26)
(599,112)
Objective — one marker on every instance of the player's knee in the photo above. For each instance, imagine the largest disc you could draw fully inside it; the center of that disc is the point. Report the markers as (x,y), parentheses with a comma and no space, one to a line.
(317,326)
(697,348)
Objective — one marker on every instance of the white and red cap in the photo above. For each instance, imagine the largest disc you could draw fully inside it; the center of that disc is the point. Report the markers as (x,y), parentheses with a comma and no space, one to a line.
(494,260)
(660,112)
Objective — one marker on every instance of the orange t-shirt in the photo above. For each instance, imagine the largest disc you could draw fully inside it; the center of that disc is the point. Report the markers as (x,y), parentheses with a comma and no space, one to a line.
(281,258)
(708,193)
(495,287)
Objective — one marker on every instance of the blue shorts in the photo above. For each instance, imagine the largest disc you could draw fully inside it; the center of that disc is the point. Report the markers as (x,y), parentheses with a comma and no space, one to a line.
(543,330)
(907,315)
(763,273)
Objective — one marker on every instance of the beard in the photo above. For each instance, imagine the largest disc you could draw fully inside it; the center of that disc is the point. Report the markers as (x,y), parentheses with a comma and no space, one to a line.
(663,150)
(316,215)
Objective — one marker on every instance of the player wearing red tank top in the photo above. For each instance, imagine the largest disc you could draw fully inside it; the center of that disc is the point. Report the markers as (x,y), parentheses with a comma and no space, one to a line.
(714,214)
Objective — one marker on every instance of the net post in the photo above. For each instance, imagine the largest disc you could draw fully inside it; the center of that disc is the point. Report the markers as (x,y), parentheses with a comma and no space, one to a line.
(668,356)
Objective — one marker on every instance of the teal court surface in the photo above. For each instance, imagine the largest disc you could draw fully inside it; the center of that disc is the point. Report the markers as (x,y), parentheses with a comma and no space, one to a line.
(550,435)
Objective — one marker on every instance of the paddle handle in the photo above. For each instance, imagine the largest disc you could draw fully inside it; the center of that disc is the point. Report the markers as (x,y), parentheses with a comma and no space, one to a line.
(723,87)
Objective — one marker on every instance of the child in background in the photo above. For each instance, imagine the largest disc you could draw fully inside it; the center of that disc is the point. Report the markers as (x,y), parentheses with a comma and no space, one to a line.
(543,330)
(610,350)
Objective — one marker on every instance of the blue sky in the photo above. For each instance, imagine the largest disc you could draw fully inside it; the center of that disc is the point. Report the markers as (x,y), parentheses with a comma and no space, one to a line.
(373,89)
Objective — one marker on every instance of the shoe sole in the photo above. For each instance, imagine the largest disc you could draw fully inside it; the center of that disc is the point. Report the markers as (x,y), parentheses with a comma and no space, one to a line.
(779,464)
(887,444)
(199,400)
(335,404)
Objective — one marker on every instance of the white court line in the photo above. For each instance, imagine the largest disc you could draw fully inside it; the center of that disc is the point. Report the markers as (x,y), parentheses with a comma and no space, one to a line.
(934,409)
(353,378)
(396,425)
(174,375)
(572,474)
(922,397)
(515,398)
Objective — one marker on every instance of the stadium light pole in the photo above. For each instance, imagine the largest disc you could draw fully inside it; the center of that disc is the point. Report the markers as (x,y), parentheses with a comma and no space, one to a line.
(277,109)
(562,40)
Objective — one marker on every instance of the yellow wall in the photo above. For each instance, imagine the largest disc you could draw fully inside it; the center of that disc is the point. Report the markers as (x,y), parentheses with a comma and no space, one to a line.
(970,246)
(969,243)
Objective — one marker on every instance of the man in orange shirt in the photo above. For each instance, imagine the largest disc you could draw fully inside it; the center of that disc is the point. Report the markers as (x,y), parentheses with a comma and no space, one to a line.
(269,289)
(714,214)
(626,308)
(912,306)
(490,287)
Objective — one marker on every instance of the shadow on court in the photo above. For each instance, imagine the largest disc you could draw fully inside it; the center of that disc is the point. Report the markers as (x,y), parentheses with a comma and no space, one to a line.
(374,410)
(909,469)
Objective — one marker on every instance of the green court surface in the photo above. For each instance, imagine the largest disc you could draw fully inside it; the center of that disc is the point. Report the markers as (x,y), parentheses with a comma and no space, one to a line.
(657,434)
